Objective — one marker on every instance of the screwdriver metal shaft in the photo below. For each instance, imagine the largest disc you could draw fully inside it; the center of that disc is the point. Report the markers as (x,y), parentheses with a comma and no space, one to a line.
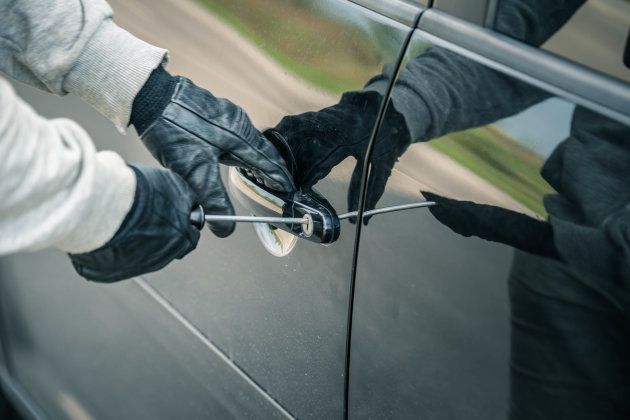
(198,217)
(253,219)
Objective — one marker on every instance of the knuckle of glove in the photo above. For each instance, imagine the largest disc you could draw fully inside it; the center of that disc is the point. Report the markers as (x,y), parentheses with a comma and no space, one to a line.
(198,129)
(156,230)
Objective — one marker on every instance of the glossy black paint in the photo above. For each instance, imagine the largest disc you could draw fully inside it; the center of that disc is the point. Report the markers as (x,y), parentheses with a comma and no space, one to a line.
(122,356)
(230,313)
(402,318)
(451,326)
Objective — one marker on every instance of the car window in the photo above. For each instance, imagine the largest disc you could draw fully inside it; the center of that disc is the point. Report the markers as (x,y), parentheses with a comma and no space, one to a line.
(505,296)
(594,33)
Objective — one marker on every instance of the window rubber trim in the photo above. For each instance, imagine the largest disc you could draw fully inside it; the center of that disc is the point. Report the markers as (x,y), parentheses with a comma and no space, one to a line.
(579,84)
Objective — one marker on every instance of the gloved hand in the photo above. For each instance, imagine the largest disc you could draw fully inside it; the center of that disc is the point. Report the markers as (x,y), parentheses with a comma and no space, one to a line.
(321,140)
(494,224)
(156,230)
(190,132)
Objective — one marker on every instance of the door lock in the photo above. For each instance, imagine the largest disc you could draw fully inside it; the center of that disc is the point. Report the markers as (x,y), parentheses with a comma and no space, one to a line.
(305,214)
(198,218)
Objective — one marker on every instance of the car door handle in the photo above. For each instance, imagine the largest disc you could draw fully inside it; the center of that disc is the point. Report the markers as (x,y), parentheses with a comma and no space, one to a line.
(306,214)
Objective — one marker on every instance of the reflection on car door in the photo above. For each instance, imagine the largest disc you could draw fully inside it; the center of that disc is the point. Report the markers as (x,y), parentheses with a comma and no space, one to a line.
(484,304)
(230,330)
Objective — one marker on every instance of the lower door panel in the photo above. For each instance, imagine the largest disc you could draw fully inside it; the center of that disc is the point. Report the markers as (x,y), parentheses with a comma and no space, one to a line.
(84,351)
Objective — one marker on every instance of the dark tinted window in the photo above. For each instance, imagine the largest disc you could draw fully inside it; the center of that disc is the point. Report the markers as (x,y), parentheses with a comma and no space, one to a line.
(593,32)
(509,294)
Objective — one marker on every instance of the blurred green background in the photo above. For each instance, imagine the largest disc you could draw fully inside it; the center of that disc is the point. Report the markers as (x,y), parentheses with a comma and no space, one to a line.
(338,60)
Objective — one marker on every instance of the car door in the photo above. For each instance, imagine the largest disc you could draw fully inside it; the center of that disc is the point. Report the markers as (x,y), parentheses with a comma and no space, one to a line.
(461,311)
(231,330)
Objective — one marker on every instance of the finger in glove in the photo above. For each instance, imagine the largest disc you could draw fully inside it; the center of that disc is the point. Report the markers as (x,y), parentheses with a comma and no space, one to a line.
(494,224)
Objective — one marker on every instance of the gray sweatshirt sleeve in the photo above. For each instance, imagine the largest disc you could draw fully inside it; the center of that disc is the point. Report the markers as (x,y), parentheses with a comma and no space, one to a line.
(56,189)
(73,46)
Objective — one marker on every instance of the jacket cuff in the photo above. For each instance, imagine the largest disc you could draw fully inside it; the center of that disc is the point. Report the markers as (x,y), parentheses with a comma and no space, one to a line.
(111,70)
(114,188)
(152,99)
(408,103)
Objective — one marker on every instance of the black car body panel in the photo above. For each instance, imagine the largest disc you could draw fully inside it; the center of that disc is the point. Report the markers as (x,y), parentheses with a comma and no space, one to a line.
(438,317)
(278,326)
(399,318)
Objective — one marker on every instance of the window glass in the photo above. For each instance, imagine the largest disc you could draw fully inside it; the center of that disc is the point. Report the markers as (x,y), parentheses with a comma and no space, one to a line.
(508,295)
(592,32)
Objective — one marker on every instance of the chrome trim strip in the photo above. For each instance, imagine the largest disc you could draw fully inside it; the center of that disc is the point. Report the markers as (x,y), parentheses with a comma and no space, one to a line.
(581,85)
(401,11)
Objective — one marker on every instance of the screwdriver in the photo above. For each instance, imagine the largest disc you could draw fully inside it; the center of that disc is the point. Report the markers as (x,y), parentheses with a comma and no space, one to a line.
(198,217)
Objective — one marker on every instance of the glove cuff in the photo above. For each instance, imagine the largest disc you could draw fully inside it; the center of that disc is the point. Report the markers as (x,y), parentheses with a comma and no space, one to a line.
(152,99)
(110,70)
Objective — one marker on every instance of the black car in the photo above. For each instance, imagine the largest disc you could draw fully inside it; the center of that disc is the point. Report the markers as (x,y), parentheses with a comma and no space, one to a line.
(476,307)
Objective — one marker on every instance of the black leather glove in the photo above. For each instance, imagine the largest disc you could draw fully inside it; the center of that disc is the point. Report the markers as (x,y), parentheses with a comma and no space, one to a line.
(156,230)
(190,132)
(494,224)
(321,140)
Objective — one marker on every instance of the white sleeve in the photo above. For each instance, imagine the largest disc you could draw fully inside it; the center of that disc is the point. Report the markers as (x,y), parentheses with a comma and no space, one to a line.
(74,46)
(55,189)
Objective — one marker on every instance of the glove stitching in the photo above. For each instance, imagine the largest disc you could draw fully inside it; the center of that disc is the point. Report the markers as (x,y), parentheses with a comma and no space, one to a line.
(208,142)
(226,130)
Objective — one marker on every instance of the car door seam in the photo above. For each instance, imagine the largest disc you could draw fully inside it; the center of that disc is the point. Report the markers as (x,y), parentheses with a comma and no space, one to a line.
(168,306)
(360,209)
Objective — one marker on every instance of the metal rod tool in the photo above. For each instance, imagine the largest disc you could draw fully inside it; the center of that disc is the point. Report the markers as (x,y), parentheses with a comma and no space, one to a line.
(198,218)
(253,219)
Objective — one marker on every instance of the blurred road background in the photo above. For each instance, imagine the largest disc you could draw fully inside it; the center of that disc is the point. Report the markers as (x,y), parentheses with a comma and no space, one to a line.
(234,53)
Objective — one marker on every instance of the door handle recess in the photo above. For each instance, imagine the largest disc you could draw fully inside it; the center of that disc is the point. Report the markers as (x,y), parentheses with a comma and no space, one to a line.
(305,214)
(313,217)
